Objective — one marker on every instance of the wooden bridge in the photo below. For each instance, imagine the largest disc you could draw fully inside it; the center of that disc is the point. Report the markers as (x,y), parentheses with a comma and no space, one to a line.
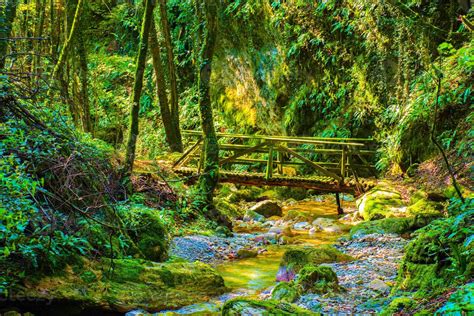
(324,164)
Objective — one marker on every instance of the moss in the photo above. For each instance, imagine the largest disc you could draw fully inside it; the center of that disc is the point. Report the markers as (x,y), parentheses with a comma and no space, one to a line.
(247,194)
(254,216)
(242,306)
(285,292)
(246,253)
(397,305)
(294,260)
(147,230)
(382,226)
(418,195)
(424,207)
(379,202)
(228,208)
(125,284)
(299,216)
(317,279)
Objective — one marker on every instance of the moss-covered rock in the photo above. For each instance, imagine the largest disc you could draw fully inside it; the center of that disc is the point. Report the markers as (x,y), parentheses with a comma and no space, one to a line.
(253,216)
(397,305)
(294,260)
(440,253)
(242,306)
(383,226)
(267,208)
(244,253)
(380,202)
(426,208)
(125,284)
(228,208)
(285,292)
(146,229)
(317,279)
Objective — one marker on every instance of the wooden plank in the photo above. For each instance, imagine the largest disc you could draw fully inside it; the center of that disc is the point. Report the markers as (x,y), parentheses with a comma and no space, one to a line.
(187,152)
(243,153)
(227,135)
(310,163)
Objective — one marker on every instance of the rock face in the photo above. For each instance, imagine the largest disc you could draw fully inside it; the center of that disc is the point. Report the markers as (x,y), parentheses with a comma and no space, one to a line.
(268,307)
(380,202)
(129,284)
(267,208)
(294,260)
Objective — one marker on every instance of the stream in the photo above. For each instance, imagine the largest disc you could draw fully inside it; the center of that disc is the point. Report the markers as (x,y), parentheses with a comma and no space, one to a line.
(255,277)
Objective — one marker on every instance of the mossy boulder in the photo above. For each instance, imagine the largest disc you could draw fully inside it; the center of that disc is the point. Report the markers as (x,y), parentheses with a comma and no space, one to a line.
(228,208)
(440,253)
(240,306)
(244,253)
(317,279)
(423,207)
(285,292)
(397,305)
(382,226)
(380,202)
(298,216)
(125,284)
(145,227)
(295,259)
(267,208)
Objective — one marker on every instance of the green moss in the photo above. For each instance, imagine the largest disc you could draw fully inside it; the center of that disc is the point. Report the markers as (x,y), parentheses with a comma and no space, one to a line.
(241,306)
(285,292)
(425,208)
(380,202)
(317,279)
(146,228)
(228,208)
(397,305)
(294,260)
(382,226)
(418,195)
(126,284)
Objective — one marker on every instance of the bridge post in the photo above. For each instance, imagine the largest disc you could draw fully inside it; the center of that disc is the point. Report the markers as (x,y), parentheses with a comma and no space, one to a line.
(343,164)
(269,171)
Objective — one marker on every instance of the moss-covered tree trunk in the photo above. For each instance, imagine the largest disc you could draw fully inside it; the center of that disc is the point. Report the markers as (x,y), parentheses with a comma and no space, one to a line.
(137,88)
(177,144)
(208,179)
(8,16)
(172,138)
(84,77)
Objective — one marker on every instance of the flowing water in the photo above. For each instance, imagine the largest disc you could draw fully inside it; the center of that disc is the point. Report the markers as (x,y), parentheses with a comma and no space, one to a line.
(253,277)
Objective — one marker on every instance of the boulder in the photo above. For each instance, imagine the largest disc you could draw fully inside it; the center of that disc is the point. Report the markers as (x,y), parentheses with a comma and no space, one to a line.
(295,259)
(244,253)
(285,292)
(267,208)
(121,285)
(380,202)
(328,225)
(382,226)
(317,279)
(379,286)
(241,306)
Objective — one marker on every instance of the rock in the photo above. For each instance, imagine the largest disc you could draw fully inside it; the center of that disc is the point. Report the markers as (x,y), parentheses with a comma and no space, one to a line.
(276,230)
(380,202)
(241,306)
(382,226)
(285,292)
(145,227)
(244,253)
(267,208)
(425,208)
(286,231)
(294,260)
(223,231)
(327,225)
(298,216)
(253,216)
(301,226)
(379,286)
(131,284)
(313,230)
(317,279)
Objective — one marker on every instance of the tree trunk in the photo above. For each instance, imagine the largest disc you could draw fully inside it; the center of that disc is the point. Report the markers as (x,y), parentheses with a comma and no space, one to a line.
(83,75)
(208,179)
(171,137)
(178,145)
(8,16)
(137,88)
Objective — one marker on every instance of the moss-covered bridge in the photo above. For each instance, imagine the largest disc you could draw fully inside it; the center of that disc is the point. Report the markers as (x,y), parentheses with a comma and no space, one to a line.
(319,163)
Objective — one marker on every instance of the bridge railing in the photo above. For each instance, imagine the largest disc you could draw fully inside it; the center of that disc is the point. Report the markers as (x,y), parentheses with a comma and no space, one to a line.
(333,158)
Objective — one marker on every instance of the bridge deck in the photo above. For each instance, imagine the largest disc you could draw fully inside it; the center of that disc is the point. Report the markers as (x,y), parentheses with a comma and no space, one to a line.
(319,183)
